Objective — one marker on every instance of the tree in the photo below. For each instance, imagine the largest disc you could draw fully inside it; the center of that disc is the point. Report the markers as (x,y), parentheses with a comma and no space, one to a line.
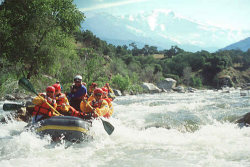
(35,33)
(173,51)
(135,50)
(121,82)
(187,71)
(93,66)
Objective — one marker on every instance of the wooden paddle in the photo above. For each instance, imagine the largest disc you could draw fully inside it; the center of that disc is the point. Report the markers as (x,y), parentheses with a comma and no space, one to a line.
(109,128)
(25,83)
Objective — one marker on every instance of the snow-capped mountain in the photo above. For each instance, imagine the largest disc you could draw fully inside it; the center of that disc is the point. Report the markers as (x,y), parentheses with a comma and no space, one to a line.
(242,45)
(161,28)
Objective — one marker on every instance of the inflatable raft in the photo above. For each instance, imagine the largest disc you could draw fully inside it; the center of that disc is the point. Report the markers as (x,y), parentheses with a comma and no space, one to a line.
(68,128)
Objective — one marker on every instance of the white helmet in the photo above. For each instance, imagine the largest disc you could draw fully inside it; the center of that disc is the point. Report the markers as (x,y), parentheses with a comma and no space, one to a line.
(78,77)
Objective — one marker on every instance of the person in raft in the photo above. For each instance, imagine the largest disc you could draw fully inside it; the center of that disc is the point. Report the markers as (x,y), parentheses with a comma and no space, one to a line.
(92,87)
(58,82)
(109,100)
(111,93)
(98,106)
(42,110)
(63,106)
(77,92)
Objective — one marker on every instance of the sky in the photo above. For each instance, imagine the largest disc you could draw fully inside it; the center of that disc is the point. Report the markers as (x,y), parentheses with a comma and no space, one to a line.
(228,14)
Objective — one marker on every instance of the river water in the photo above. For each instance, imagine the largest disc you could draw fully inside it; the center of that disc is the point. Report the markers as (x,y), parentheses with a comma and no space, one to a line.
(168,129)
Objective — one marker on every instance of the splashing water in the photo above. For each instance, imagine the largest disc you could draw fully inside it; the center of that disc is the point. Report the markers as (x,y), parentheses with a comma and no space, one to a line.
(169,129)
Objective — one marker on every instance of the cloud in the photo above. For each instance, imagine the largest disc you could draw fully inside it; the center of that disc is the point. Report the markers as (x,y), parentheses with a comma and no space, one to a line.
(135,30)
(162,27)
(131,18)
(152,21)
(174,39)
(110,5)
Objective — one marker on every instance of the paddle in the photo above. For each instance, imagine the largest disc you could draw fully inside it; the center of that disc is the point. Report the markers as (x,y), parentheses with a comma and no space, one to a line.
(109,128)
(17,106)
(12,106)
(25,83)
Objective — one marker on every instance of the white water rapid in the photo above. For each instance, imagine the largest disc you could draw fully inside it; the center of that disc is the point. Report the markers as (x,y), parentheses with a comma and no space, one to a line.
(168,129)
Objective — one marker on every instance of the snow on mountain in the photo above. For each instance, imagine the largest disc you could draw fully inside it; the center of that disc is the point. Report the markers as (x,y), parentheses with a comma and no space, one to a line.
(161,28)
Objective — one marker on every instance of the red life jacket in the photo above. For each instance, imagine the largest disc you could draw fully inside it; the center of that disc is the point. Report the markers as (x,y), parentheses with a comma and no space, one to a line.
(108,100)
(44,108)
(73,112)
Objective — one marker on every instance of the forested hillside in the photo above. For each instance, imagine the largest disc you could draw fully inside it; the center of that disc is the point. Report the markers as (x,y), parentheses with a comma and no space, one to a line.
(43,41)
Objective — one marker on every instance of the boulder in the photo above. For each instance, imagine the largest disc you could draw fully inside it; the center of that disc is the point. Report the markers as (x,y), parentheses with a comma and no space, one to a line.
(9,97)
(180,89)
(191,90)
(117,92)
(167,84)
(245,120)
(150,88)
(225,81)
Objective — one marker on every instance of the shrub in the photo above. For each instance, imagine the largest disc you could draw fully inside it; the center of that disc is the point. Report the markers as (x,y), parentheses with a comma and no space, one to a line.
(120,82)
(195,82)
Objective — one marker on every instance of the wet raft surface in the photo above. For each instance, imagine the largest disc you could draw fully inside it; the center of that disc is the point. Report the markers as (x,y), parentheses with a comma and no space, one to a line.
(63,127)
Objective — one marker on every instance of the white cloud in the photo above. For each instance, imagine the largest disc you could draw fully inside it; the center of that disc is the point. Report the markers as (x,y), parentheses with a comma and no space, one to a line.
(174,39)
(162,27)
(131,18)
(194,42)
(152,21)
(110,5)
(138,31)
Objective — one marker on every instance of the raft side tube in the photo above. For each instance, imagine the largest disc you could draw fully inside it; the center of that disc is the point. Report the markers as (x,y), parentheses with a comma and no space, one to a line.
(64,127)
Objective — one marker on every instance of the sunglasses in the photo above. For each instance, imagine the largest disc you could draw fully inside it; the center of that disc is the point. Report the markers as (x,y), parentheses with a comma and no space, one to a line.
(98,94)
(50,92)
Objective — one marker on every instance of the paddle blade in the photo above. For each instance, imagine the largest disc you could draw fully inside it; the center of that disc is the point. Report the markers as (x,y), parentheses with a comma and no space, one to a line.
(108,127)
(25,83)
(12,106)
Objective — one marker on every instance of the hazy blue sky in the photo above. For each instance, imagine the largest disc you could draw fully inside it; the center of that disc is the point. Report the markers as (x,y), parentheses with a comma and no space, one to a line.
(230,14)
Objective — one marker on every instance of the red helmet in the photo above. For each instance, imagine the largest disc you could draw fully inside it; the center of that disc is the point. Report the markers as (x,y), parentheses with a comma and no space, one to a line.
(104,89)
(98,91)
(50,89)
(57,87)
(94,84)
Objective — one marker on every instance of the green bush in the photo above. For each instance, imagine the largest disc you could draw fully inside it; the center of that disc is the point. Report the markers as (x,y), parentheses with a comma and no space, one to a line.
(8,84)
(195,82)
(135,88)
(120,82)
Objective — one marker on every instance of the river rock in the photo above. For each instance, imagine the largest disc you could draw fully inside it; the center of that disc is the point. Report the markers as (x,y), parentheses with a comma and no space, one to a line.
(117,92)
(224,81)
(180,89)
(9,97)
(167,84)
(150,88)
(191,90)
(245,120)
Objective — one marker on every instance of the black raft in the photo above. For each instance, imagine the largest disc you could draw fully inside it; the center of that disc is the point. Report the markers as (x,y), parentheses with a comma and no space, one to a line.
(68,128)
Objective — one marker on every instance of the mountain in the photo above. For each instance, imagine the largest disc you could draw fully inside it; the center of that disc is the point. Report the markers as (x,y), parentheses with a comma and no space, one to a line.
(161,28)
(242,45)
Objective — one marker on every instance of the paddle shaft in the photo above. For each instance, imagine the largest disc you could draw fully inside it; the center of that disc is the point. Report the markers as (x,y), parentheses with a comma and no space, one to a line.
(93,109)
(56,112)
(15,106)
(25,83)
